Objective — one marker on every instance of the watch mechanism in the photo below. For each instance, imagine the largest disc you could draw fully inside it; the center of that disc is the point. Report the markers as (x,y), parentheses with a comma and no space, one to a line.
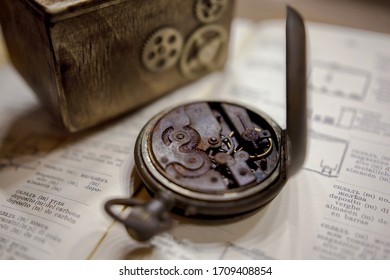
(213,158)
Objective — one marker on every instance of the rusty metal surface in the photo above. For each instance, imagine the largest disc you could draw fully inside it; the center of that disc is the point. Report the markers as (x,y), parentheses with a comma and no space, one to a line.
(213,147)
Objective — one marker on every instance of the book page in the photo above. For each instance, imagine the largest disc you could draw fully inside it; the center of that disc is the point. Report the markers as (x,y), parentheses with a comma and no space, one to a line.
(53,185)
(338,206)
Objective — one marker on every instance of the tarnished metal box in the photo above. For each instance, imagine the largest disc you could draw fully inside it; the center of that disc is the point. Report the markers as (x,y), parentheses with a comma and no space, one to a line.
(93,60)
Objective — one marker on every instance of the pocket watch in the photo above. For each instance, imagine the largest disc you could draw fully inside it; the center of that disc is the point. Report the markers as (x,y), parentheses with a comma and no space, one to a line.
(219,159)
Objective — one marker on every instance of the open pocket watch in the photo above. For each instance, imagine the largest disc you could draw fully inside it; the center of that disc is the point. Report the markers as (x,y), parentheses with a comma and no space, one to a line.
(219,159)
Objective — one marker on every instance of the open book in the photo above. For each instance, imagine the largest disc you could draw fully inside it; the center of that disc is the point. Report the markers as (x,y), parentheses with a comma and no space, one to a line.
(53,186)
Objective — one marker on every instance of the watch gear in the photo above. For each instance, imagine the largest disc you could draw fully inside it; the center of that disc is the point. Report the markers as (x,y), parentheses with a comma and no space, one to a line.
(162,49)
(204,51)
(208,11)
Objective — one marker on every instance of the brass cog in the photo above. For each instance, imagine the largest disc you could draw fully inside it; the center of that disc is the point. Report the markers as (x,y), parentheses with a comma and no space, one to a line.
(162,49)
(204,51)
(208,11)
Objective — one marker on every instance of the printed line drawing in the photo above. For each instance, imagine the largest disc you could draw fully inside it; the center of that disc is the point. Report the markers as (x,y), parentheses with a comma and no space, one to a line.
(343,118)
(346,117)
(326,154)
(338,80)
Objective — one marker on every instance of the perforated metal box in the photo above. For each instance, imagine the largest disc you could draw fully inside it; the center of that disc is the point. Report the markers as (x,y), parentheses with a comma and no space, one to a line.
(93,60)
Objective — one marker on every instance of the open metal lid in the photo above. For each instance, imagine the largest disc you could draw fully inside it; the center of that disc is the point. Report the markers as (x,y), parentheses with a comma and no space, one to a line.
(296,90)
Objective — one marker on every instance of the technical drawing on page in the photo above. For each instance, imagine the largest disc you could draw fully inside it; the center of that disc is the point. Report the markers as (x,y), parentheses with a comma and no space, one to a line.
(338,80)
(346,117)
(343,118)
(326,154)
